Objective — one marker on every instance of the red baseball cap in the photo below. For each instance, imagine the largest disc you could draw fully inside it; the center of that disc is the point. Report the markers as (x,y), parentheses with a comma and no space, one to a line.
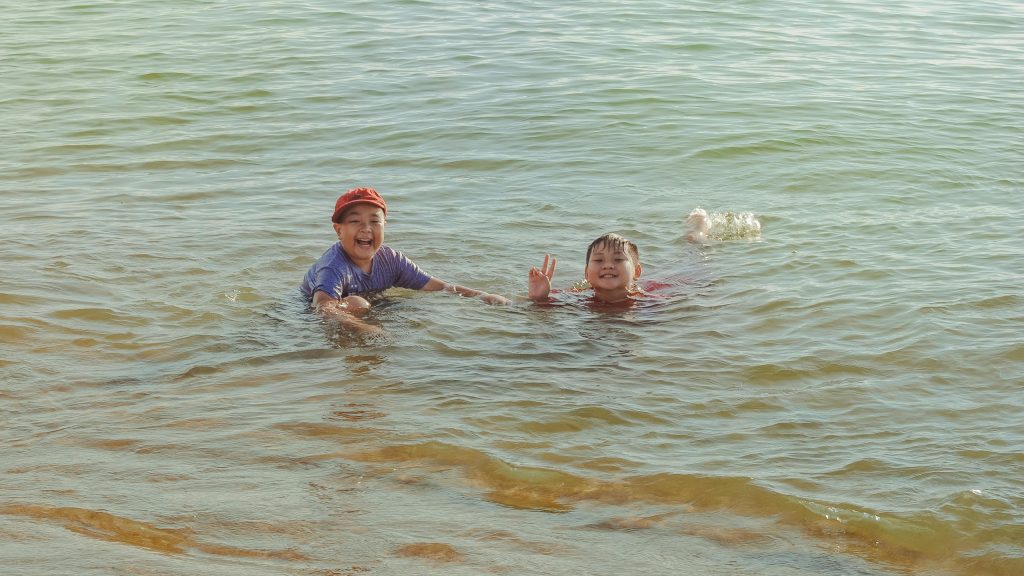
(358,196)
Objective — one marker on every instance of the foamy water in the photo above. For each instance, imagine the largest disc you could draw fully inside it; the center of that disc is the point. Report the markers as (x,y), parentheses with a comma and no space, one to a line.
(836,392)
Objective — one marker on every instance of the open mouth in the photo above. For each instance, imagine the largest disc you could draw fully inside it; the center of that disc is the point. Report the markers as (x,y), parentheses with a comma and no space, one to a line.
(364,243)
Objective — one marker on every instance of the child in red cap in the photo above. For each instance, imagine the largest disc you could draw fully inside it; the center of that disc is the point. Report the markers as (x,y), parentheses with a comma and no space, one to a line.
(361,264)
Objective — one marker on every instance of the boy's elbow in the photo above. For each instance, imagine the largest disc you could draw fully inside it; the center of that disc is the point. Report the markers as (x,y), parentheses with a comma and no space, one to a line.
(320,298)
(434,285)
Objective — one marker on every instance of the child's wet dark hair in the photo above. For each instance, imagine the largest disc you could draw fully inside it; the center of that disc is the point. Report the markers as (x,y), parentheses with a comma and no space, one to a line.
(615,242)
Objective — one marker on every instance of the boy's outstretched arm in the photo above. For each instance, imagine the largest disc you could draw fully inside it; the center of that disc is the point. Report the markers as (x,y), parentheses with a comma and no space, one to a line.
(436,284)
(540,280)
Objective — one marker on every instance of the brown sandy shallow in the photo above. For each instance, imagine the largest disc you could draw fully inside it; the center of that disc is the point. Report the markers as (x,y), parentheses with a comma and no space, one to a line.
(112,528)
(898,544)
(433,551)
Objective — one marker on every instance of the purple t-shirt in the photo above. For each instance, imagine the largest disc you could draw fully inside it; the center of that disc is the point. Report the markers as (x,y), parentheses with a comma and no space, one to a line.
(336,275)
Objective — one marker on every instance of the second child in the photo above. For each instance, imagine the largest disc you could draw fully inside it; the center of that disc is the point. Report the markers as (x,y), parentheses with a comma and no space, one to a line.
(611,272)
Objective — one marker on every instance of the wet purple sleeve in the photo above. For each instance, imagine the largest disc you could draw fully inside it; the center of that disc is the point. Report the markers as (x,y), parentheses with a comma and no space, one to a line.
(409,275)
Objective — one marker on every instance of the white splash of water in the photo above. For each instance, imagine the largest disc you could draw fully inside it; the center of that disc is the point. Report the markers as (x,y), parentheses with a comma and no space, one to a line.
(721,226)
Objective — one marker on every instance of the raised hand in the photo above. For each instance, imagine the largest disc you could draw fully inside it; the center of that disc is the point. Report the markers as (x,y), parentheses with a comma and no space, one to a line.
(540,279)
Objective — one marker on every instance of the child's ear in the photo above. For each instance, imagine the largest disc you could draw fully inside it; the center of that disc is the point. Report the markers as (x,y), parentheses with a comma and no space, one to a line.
(638,270)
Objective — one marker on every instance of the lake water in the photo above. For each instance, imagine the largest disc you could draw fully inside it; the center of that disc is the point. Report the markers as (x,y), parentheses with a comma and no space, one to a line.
(841,394)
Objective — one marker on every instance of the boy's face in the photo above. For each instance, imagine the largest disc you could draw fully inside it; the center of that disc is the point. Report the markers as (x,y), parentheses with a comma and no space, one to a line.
(610,267)
(361,232)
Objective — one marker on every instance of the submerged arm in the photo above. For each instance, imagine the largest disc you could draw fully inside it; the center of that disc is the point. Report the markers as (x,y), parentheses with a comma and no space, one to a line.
(436,285)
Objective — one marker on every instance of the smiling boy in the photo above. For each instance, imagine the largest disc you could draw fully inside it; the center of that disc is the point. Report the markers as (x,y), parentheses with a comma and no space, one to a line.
(361,264)
(612,268)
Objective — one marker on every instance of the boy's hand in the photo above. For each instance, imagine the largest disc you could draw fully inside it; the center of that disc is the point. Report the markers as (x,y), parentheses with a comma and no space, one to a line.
(540,280)
(346,312)
(494,299)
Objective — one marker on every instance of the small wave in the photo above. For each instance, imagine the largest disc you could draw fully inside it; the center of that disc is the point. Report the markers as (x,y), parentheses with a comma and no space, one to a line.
(722,225)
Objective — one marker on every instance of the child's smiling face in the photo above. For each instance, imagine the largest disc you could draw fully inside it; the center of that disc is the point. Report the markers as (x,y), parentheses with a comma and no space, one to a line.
(610,268)
(361,232)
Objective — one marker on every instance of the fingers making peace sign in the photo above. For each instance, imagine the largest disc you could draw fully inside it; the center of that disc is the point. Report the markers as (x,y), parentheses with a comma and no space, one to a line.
(540,279)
